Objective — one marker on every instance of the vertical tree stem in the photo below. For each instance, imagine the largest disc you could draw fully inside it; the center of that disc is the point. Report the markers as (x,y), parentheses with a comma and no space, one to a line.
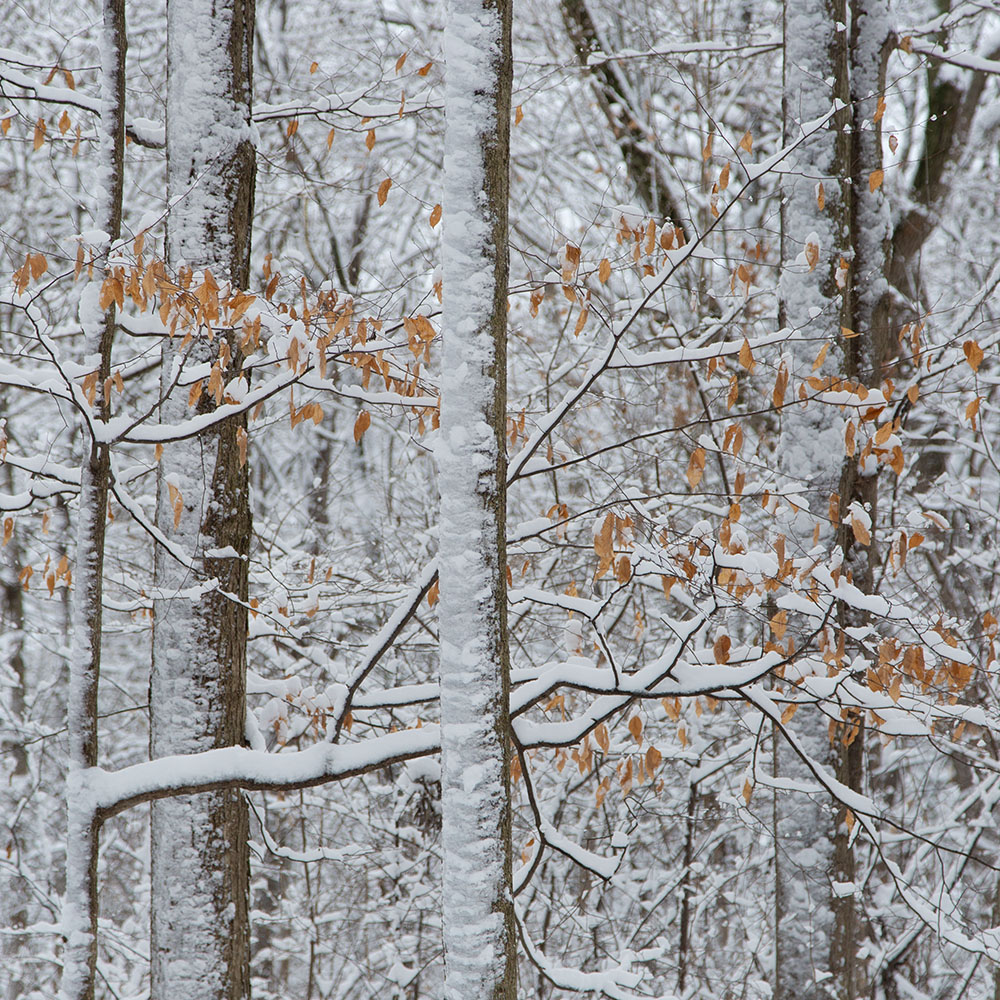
(479,928)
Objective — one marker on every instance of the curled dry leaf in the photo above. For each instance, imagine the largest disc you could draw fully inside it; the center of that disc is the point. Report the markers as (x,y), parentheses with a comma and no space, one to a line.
(361,425)
(812,255)
(861,533)
(635,728)
(696,467)
(972,409)
(721,648)
(176,502)
(779,624)
(973,353)
(734,392)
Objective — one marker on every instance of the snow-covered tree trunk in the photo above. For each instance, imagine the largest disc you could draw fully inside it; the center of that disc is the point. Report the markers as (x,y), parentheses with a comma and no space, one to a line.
(83,825)
(835,236)
(868,296)
(867,310)
(15,892)
(814,240)
(479,930)
(200,864)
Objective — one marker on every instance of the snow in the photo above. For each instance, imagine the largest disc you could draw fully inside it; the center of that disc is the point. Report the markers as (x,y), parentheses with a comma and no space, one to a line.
(110,791)
(378,667)
(474,799)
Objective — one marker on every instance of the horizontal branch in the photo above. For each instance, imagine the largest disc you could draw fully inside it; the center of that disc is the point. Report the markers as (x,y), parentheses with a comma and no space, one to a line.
(111,792)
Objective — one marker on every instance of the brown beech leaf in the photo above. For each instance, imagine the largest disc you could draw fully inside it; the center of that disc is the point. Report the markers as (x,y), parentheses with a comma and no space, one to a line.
(721,648)
(973,354)
(696,467)
(361,425)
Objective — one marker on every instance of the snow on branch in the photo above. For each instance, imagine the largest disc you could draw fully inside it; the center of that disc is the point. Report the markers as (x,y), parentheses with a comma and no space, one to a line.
(618,982)
(237,767)
(520,464)
(141,131)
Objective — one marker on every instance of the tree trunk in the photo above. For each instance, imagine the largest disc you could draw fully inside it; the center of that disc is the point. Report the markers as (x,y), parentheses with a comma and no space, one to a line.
(611,88)
(15,891)
(867,313)
(479,933)
(844,285)
(814,240)
(83,825)
(200,861)
(952,101)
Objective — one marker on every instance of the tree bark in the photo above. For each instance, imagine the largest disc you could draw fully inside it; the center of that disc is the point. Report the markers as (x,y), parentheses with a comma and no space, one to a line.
(845,287)
(952,102)
(479,932)
(15,893)
(200,861)
(815,215)
(611,89)
(867,308)
(83,826)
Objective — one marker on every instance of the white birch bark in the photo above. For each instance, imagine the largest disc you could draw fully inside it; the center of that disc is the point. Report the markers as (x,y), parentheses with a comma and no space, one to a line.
(79,918)
(478,905)
(199,921)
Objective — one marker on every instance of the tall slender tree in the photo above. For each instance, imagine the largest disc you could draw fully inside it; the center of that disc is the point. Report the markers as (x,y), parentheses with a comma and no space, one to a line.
(835,238)
(866,315)
(97,315)
(479,930)
(200,865)
(815,211)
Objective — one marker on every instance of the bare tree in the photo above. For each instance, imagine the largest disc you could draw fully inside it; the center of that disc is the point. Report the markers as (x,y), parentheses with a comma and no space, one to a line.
(97,314)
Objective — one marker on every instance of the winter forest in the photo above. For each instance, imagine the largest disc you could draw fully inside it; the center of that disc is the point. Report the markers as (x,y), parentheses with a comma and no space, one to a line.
(499,501)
